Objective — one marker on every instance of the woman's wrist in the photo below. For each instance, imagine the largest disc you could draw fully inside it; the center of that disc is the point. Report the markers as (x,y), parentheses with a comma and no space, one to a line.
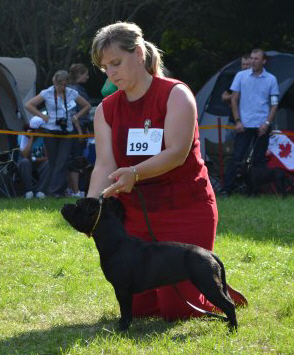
(135,173)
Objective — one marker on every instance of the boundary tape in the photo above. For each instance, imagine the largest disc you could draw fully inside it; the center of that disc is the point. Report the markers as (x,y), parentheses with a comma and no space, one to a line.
(91,135)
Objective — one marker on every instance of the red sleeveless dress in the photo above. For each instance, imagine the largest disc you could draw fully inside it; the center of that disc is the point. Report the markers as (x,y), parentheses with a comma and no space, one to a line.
(180,203)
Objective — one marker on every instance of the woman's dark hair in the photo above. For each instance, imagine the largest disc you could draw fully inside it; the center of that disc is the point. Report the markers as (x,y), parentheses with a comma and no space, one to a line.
(75,70)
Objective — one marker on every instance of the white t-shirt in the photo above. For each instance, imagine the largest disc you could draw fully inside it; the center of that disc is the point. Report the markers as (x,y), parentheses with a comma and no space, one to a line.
(48,96)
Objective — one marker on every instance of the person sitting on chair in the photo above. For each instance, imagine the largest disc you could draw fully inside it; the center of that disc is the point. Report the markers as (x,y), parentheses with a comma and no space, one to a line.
(33,162)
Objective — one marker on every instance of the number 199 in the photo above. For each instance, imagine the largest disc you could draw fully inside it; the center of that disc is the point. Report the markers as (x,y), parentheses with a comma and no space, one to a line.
(139,146)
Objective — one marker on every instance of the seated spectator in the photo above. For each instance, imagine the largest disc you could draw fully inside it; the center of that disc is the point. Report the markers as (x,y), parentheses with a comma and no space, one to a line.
(33,164)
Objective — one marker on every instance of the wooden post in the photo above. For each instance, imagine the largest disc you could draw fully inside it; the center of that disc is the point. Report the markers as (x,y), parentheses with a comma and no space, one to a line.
(220,151)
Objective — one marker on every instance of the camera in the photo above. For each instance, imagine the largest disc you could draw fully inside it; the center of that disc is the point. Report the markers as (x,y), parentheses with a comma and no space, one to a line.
(62,122)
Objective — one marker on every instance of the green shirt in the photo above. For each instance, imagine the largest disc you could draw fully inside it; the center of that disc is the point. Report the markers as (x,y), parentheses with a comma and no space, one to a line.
(108,88)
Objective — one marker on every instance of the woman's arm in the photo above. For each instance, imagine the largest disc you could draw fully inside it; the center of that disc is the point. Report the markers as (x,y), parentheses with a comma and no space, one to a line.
(179,129)
(86,107)
(32,105)
(25,151)
(105,163)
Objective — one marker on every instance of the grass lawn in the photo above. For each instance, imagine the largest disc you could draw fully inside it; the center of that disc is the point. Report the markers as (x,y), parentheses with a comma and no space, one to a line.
(54,298)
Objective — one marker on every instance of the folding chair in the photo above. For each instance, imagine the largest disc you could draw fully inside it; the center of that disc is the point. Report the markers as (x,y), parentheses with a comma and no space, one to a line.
(218,156)
(8,172)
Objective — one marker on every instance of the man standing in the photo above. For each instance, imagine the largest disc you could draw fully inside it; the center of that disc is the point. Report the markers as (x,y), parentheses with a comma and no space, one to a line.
(254,106)
(227,96)
(245,64)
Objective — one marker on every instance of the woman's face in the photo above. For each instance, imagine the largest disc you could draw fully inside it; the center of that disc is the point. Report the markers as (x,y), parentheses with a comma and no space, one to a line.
(60,85)
(122,67)
(83,78)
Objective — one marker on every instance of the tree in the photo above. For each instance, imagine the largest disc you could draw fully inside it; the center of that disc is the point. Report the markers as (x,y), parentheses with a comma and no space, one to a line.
(197,36)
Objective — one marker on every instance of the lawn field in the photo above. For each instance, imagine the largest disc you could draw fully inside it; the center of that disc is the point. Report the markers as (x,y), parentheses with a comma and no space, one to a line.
(54,298)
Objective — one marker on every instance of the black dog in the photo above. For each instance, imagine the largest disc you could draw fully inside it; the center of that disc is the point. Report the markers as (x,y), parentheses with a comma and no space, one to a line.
(133,266)
(255,177)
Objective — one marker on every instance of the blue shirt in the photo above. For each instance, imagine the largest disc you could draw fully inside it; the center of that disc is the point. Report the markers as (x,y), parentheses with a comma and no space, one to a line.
(255,92)
(48,96)
(37,149)
(82,92)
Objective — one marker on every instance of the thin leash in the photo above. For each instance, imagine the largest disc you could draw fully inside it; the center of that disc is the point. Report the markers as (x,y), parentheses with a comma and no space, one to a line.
(249,158)
(207,313)
(97,219)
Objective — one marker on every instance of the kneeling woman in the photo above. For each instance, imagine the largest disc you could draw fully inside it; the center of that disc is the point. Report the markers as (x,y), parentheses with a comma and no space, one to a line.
(147,135)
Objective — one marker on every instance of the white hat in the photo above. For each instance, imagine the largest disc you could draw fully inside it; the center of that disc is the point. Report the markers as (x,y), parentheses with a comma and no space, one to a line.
(36,122)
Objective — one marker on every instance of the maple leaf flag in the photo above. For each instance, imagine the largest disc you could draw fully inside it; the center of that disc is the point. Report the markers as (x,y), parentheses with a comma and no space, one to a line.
(282,148)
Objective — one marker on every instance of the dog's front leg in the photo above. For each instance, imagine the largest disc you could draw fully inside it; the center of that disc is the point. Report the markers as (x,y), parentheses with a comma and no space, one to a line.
(124,298)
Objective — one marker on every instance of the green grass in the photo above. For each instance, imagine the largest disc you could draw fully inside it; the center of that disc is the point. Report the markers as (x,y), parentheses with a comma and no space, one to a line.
(54,298)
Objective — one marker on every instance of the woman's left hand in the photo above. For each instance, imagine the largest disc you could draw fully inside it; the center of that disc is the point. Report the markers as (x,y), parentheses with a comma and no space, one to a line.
(124,182)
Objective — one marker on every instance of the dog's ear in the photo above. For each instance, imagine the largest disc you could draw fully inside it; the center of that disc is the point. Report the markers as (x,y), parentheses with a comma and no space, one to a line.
(116,207)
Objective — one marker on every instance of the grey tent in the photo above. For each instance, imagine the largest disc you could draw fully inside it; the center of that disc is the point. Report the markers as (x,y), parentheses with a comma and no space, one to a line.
(17,85)
(210,106)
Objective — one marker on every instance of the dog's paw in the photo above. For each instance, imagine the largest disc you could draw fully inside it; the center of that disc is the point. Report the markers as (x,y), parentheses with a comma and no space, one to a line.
(124,324)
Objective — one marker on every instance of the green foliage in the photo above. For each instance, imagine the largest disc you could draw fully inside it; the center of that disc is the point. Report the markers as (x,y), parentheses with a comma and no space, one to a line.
(54,298)
(198,37)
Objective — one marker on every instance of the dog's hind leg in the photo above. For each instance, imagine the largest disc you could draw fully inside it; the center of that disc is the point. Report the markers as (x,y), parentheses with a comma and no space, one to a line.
(214,293)
(210,280)
(222,274)
(124,298)
(212,289)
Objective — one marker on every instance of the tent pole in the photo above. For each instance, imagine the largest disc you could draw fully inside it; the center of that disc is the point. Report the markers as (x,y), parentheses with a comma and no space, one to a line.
(220,151)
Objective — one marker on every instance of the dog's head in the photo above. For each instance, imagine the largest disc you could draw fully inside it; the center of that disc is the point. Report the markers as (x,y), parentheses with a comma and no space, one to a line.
(242,169)
(83,214)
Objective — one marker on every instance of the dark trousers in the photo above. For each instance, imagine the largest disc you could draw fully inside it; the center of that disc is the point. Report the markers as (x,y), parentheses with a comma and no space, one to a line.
(58,150)
(244,143)
(27,169)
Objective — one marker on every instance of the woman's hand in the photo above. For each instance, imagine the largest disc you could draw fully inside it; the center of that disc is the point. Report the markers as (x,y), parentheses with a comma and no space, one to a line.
(45,118)
(239,127)
(125,179)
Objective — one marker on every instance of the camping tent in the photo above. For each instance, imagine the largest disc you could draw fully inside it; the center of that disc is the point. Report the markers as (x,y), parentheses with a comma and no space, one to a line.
(211,108)
(17,85)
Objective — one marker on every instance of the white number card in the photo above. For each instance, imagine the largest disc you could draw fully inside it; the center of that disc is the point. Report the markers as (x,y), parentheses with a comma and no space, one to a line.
(71,105)
(140,143)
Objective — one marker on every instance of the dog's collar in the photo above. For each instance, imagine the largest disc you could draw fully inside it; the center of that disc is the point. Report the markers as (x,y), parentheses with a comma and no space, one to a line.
(97,220)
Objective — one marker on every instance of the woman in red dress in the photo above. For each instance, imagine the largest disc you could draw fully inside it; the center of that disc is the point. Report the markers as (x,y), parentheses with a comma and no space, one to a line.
(147,135)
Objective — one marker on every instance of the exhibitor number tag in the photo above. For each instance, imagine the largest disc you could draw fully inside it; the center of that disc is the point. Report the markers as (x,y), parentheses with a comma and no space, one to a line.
(141,143)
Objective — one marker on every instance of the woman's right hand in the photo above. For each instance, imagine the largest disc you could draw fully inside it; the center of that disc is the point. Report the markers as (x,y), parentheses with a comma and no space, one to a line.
(124,180)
